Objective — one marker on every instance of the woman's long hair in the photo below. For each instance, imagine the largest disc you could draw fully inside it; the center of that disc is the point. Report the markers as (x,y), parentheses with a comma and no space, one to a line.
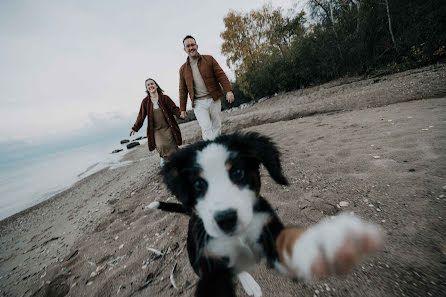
(159,90)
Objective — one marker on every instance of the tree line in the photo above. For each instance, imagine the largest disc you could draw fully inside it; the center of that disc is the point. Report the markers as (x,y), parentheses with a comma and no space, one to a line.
(271,51)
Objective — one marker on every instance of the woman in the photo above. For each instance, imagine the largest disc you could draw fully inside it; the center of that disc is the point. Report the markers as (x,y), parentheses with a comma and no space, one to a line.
(163,132)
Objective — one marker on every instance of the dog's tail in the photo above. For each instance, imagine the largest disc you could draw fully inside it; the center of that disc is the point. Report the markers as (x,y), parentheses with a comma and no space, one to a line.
(168,206)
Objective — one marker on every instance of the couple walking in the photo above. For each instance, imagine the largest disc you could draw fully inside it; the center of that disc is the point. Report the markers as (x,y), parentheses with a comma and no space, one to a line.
(203,79)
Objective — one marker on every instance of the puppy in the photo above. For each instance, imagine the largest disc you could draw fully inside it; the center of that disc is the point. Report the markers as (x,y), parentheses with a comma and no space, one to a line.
(232,227)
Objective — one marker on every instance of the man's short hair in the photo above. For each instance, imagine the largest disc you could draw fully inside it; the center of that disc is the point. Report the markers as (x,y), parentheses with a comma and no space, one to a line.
(187,37)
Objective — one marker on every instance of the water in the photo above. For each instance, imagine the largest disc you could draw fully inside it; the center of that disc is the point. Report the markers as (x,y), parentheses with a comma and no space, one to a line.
(33,180)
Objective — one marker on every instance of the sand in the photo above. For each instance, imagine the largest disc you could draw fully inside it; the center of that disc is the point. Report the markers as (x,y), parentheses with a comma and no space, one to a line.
(376,147)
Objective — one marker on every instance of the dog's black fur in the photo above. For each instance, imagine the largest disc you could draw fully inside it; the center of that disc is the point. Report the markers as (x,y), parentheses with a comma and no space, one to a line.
(232,227)
(181,173)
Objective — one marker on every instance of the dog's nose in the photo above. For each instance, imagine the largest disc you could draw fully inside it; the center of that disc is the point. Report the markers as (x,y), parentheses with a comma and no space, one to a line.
(226,219)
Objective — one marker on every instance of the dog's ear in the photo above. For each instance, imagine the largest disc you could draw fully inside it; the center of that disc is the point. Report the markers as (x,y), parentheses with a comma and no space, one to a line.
(178,171)
(260,147)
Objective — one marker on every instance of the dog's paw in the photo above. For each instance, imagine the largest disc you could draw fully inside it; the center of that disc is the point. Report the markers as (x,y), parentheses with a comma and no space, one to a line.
(153,205)
(331,247)
(249,284)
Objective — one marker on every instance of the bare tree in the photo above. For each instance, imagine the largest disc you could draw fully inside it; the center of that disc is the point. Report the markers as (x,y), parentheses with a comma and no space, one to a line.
(328,9)
(390,24)
(358,8)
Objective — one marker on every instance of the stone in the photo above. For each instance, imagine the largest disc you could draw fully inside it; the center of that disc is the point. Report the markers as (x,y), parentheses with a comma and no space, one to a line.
(132,144)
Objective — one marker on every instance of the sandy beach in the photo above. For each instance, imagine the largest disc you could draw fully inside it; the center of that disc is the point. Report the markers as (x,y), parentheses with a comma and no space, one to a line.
(377,145)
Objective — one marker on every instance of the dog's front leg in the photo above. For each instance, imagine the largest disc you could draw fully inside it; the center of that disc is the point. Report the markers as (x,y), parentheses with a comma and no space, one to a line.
(331,247)
(216,283)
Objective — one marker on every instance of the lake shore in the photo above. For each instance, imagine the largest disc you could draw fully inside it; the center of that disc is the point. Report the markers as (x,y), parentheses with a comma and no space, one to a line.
(376,144)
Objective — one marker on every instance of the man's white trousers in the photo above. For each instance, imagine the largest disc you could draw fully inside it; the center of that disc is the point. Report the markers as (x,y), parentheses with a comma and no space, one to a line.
(208,114)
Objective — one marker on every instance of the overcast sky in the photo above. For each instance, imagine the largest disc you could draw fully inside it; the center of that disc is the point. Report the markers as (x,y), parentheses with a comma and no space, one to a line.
(73,66)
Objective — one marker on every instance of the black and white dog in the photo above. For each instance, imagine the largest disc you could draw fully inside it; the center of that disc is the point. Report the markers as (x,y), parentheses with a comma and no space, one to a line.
(232,227)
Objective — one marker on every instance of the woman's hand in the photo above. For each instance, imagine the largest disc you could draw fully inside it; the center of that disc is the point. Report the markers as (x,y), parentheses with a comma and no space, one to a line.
(132,132)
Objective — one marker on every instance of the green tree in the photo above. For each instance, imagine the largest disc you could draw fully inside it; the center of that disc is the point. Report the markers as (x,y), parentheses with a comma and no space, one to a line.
(271,52)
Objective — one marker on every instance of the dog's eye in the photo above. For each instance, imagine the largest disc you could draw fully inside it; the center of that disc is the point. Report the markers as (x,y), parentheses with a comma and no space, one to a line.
(199,185)
(237,174)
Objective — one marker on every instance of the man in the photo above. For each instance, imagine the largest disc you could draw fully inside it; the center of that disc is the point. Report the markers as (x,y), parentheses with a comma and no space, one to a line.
(203,79)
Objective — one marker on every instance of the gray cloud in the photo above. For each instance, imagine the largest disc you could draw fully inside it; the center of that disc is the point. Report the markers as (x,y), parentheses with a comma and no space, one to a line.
(67,64)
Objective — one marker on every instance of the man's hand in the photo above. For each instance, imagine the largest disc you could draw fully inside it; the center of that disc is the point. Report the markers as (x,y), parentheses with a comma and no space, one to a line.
(230,96)
(132,132)
(183,115)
